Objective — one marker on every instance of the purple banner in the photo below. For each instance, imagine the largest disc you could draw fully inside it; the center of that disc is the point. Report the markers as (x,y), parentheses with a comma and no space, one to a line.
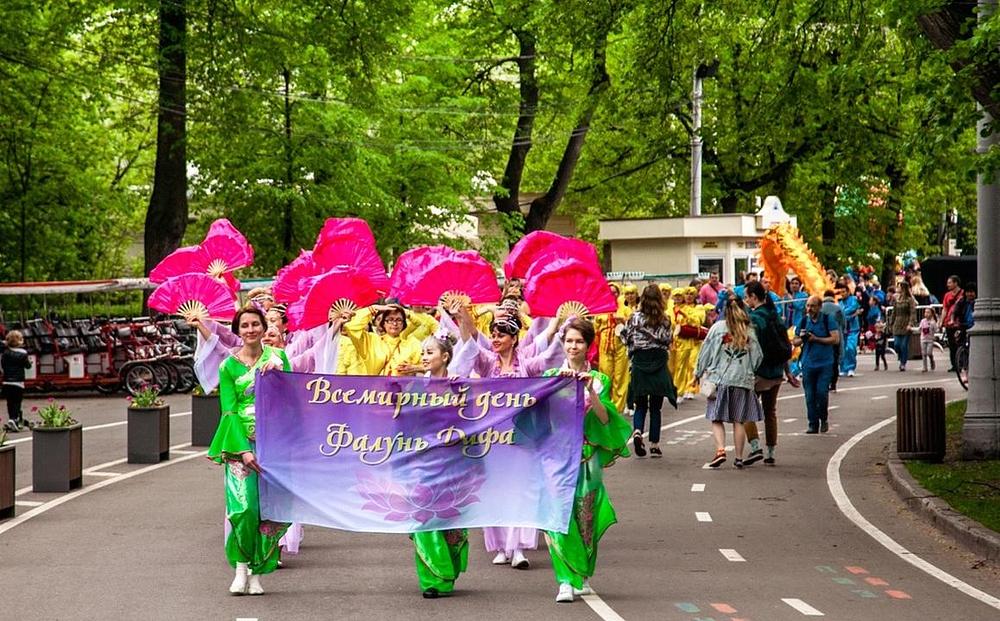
(407,454)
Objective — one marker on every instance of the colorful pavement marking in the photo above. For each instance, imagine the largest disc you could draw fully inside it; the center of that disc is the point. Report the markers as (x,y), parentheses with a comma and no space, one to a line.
(724,608)
(898,595)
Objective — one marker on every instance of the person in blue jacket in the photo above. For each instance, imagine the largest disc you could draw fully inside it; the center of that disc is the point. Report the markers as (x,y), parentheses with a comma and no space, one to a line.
(851,308)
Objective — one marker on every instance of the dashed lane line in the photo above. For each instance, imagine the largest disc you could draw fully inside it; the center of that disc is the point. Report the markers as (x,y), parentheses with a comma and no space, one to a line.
(101,426)
(847,508)
(697,487)
(880,397)
(703,516)
(732,555)
(105,474)
(28,503)
(802,607)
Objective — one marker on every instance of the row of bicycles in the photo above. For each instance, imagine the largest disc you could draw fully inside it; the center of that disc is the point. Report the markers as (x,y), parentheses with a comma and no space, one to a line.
(108,354)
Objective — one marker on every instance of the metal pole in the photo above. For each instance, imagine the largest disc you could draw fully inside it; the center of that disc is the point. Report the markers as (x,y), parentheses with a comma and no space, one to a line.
(981,428)
(696,145)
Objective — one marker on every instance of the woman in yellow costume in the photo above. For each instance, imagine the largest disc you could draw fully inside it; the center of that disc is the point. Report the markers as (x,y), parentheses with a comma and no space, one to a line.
(612,357)
(394,351)
(690,318)
(675,302)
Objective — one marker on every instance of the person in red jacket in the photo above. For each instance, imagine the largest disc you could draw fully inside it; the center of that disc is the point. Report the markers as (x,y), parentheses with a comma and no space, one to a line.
(951,327)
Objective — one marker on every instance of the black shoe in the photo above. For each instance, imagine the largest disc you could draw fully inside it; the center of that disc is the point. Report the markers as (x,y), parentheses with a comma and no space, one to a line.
(768,461)
(720,458)
(812,430)
(824,427)
(753,457)
(738,463)
(432,593)
(655,451)
(951,369)
(640,447)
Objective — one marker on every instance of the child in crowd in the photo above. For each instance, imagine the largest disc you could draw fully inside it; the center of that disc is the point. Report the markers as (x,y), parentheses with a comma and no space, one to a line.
(881,344)
(928,328)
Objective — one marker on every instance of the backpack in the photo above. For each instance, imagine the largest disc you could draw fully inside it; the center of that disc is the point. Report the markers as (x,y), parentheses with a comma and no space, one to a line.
(774,343)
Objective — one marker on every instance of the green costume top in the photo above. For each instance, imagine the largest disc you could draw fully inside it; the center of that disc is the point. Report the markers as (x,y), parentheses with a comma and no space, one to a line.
(605,440)
(236,401)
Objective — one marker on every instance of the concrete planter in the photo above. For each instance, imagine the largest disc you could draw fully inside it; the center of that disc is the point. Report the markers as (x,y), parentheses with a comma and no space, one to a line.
(148,435)
(205,415)
(57,458)
(7,486)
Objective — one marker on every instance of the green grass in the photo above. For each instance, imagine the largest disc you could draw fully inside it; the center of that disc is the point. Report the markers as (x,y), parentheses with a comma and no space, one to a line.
(971,487)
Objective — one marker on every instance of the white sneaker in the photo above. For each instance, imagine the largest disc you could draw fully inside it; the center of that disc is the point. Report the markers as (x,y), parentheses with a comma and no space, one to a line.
(519,561)
(239,585)
(850,373)
(586,590)
(565,594)
(253,587)
(500,559)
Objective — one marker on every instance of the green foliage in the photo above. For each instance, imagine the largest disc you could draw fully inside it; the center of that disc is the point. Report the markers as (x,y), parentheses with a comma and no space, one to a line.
(53,415)
(971,487)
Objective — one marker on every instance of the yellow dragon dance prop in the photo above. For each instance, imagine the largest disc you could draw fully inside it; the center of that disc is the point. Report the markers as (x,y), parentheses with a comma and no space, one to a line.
(783,249)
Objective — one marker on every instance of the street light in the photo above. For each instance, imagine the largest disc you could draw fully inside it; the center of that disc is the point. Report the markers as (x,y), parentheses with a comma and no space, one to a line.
(701,72)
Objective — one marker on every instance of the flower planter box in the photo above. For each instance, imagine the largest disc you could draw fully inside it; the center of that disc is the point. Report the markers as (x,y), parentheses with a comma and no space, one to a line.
(7,486)
(57,458)
(205,415)
(148,435)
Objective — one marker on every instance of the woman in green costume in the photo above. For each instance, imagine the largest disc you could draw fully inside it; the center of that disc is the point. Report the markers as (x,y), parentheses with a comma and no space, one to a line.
(574,554)
(440,554)
(252,545)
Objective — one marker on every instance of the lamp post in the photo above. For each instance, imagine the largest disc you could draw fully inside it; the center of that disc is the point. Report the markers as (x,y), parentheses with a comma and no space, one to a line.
(701,72)
(981,427)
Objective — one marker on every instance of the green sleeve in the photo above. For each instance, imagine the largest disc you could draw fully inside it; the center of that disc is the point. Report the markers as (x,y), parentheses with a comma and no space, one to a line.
(608,439)
(286,364)
(230,437)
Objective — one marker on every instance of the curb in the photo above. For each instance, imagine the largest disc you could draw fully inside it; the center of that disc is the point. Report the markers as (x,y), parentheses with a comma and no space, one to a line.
(973,535)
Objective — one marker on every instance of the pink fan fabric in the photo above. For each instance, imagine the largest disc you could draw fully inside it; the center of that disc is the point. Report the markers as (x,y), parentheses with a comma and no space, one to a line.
(177,290)
(290,283)
(340,282)
(538,243)
(225,242)
(551,283)
(422,275)
(349,241)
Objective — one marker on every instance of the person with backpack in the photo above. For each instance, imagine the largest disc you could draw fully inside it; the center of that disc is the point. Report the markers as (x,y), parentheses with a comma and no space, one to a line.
(776,351)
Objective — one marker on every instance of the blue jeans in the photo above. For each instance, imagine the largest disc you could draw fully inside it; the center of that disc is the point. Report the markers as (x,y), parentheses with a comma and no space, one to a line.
(901,343)
(849,358)
(816,385)
(652,404)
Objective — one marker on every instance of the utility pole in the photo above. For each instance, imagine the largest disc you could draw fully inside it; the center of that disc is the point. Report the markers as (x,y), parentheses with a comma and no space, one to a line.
(981,427)
(701,72)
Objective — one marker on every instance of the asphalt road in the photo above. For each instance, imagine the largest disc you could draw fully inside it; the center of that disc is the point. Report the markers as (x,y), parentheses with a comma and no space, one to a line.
(146,542)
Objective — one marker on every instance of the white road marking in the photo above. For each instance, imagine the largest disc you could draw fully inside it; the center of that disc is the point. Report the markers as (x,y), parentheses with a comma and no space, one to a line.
(601,609)
(102,426)
(104,474)
(703,516)
(833,407)
(732,555)
(799,395)
(180,452)
(697,487)
(880,397)
(802,607)
(789,420)
(52,504)
(848,509)
(27,503)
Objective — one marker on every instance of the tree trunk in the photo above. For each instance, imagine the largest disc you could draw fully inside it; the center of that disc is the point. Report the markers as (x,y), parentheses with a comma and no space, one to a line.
(507,200)
(544,206)
(953,24)
(166,217)
(828,223)
(288,217)
(894,240)
(730,203)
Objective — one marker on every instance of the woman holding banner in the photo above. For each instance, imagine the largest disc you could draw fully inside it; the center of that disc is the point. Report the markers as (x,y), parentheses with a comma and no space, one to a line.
(506,359)
(606,433)
(252,545)
(441,555)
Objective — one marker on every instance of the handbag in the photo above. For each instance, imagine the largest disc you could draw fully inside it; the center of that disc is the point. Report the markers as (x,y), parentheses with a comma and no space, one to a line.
(708,388)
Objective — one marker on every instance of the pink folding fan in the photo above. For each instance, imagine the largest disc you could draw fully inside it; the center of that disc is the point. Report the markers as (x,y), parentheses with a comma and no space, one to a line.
(567,286)
(425,276)
(290,283)
(339,289)
(223,250)
(538,243)
(194,296)
(349,241)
